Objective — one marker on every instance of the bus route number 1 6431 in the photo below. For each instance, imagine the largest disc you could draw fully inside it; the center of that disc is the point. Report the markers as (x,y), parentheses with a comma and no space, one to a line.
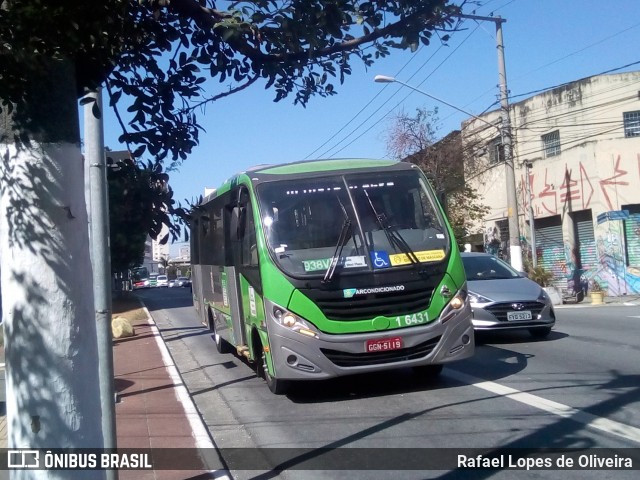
(413,319)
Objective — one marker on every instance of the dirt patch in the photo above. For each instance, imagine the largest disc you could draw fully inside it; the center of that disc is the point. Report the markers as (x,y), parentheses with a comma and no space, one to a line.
(129,307)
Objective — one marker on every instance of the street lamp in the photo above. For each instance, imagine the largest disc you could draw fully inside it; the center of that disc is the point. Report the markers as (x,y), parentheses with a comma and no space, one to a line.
(387,79)
(512,201)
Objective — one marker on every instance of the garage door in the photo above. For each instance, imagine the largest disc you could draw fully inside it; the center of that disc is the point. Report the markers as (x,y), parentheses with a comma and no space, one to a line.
(586,240)
(550,248)
(632,234)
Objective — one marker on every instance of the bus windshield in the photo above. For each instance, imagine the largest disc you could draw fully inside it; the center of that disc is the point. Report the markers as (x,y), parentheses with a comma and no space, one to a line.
(360,222)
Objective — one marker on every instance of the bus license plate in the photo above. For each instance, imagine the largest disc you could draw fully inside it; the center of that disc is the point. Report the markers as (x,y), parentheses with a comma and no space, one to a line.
(524,315)
(383,344)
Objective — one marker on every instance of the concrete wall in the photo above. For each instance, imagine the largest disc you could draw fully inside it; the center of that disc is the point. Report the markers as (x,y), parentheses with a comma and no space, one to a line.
(598,169)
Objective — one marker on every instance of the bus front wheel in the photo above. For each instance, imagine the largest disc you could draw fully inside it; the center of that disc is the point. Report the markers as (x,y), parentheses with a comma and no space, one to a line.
(276,385)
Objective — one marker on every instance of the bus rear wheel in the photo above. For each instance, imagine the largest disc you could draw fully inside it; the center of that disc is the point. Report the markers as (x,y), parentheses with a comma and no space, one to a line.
(276,385)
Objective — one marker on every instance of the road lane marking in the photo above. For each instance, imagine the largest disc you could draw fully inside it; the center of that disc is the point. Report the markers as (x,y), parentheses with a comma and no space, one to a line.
(198,429)
(627,432)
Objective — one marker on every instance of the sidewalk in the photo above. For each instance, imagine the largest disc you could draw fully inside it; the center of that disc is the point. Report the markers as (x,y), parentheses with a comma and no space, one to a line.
(626,300)
(153,410)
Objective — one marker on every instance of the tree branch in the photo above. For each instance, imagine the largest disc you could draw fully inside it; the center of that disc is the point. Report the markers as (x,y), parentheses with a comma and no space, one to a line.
(208,18)
(222,95)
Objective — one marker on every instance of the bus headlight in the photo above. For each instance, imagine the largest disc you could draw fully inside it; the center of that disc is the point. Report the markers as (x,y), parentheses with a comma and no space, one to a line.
(456,304)
(293,322)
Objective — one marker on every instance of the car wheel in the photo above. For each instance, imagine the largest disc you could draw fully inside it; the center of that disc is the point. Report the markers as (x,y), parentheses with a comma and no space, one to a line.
(428,371)
(540,332)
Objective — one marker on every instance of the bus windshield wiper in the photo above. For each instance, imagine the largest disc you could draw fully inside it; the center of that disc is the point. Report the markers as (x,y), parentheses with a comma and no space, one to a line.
(342,240)
(392,233)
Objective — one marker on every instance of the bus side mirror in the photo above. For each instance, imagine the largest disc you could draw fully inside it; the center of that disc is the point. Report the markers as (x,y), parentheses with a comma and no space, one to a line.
(442,198)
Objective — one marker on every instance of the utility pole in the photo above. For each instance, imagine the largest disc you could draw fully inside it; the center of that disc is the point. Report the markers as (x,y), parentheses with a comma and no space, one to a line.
(101,262)
(515,250)
(532,228)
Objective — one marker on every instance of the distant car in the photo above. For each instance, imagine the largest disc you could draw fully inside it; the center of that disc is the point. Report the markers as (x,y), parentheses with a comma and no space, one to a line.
(172,283)
(163,281)
(183,282)
(504,299)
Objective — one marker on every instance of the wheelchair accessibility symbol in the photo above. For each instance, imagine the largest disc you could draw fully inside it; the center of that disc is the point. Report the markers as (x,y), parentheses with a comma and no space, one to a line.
(380,259)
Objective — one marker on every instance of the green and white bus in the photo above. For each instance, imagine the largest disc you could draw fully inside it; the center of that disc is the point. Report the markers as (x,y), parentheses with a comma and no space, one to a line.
(325,268)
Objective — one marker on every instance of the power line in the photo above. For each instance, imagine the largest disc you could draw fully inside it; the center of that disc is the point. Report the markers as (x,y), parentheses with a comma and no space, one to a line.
(326,152)
(361,110)
(573,81)
(582,49)
(406,96)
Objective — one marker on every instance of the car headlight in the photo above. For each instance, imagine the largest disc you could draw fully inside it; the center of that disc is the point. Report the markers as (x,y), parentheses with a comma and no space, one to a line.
(544,296)
(475,298)
(293,322)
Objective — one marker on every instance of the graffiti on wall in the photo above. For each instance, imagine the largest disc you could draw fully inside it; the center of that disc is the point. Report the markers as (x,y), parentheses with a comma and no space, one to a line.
(612,272)
(493,243)
(575,189)
(575,192)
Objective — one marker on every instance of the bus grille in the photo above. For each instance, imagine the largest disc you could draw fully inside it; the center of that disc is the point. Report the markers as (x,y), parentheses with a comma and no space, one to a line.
(346,359)
(373,305)
(499,310)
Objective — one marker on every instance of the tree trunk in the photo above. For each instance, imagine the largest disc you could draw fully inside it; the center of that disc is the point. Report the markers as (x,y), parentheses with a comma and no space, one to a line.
(53,398)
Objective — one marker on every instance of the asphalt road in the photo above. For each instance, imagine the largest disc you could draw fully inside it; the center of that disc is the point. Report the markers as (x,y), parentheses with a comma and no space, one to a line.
(578,389)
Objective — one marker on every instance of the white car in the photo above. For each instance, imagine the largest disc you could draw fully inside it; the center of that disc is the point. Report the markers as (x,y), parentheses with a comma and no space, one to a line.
(163,281)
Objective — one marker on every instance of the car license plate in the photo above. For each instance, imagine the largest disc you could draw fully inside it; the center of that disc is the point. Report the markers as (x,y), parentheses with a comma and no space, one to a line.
(383,344)
(524,315)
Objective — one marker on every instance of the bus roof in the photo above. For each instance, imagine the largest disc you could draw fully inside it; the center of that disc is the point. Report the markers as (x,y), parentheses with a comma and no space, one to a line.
(312,166)
(302,168)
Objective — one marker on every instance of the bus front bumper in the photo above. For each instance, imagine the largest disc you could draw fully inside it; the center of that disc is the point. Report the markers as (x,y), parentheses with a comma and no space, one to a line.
(298,357)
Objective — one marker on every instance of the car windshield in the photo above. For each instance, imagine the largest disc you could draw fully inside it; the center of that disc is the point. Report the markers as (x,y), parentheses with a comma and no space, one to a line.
(487,267)
(360,221)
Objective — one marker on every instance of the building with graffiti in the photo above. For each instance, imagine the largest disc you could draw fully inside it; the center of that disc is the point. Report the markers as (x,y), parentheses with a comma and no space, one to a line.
(576,151)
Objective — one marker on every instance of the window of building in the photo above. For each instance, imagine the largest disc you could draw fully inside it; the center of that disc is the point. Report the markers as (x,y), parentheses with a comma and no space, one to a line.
(496,151)
(551,143)
(631,123)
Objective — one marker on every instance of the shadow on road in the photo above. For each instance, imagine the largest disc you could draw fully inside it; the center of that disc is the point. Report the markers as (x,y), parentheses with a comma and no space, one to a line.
(165,298)
(503,363)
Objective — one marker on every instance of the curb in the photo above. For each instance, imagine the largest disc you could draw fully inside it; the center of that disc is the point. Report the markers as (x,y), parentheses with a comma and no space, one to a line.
(200,433)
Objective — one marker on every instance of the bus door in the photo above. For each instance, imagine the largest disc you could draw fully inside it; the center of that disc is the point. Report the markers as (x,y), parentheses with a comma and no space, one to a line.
(243,274)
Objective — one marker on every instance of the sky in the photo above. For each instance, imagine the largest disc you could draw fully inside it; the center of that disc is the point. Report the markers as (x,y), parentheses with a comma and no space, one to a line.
(546,43)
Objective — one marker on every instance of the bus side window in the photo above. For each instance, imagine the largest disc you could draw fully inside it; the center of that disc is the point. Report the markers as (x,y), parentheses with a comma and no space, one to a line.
(243,231)
(248,238)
